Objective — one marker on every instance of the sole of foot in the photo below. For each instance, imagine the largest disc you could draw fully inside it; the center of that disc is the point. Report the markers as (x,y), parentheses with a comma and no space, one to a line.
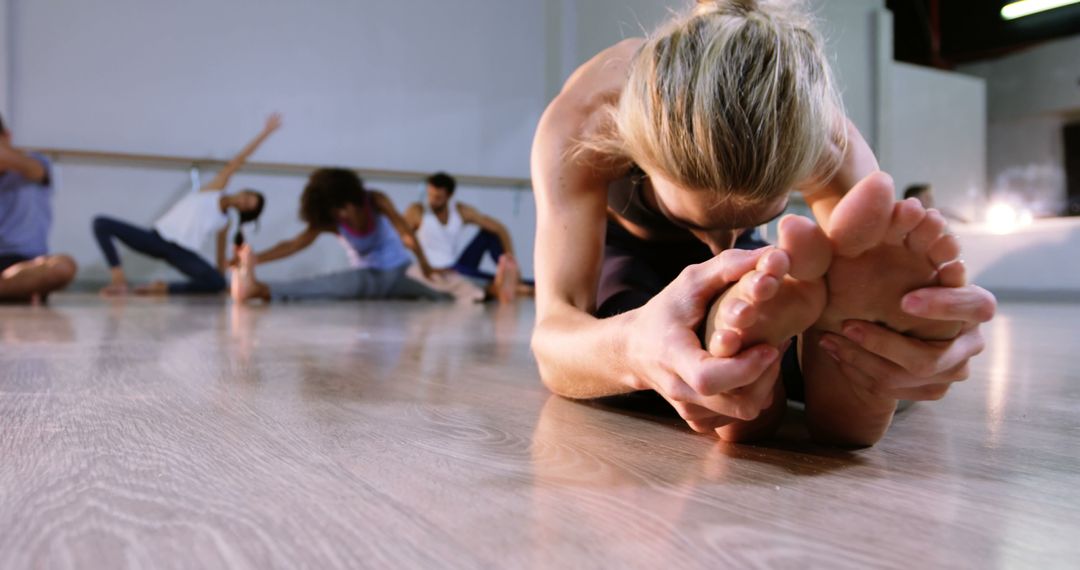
(884,250)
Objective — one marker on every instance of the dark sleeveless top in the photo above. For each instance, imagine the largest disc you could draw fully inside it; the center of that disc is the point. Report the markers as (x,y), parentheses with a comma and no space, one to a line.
(624,197)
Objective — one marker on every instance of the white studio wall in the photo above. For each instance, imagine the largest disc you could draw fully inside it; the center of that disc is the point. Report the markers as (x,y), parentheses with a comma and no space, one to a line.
(418,86)
(1038,80)
(938,130)
(1026,162)
(859,36)
(1031,96)
(5,71)
(453,81)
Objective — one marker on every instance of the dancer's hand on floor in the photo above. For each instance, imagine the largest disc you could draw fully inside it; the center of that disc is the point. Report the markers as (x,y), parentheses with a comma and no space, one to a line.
(667,356)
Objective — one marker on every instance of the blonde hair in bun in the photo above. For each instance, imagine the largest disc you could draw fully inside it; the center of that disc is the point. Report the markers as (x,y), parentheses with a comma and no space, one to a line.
(734,96)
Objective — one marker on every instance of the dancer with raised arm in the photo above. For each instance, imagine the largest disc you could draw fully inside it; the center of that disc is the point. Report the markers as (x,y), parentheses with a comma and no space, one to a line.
(178,236)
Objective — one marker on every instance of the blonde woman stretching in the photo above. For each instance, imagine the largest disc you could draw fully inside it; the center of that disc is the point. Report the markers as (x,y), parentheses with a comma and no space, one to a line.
(650,166)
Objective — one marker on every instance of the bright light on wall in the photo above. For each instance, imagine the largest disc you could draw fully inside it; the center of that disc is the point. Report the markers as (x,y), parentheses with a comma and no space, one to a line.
(1028,7)
(1001,218)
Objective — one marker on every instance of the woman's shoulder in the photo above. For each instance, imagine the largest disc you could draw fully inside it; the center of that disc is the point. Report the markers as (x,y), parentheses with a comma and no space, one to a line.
(380,203)
(581,110)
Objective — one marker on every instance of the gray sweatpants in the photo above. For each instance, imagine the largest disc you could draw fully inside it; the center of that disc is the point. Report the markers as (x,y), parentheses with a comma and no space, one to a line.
(356,284)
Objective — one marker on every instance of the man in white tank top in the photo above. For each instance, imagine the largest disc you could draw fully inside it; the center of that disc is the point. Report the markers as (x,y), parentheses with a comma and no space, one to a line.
(456,238)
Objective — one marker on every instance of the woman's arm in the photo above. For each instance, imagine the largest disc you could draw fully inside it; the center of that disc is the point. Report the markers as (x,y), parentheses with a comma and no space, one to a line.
(414,215)
(27,166)
(273,123)
(288,247)
(407,233)
(856,163)
(579,355)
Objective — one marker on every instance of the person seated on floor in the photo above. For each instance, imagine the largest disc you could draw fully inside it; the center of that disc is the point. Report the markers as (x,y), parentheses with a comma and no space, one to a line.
(456,238)
(924,193)
(27,272)
(655,157)
(375,237)
(178,236)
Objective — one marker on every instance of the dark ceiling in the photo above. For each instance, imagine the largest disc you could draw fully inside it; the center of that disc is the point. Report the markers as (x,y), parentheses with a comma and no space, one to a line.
(971,30)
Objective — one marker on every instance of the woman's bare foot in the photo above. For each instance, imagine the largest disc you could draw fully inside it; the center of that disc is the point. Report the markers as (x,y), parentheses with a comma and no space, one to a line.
(115,290)
(883,250)
(781,298)
(507,278)
(155,289)
(244,286)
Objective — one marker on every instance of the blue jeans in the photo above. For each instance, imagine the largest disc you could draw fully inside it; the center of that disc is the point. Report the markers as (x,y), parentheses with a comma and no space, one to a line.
(485,243)
(202,277)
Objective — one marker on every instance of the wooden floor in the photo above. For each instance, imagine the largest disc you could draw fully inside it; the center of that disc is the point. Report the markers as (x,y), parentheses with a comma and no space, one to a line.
(198,434)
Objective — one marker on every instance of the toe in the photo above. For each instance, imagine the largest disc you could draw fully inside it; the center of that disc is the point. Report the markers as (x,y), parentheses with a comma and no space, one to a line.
(807,247)
(738,313)
(944,250)
(953,274)
(862,216)
(762,287)
(775,263)
(724,344)
(930,230)
(907,215)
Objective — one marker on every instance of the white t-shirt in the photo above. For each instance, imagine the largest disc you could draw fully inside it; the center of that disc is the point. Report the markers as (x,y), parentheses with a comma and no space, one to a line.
(443,244)
(193,220)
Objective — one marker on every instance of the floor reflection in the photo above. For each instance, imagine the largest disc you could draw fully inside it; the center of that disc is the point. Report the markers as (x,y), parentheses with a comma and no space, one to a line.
(38,324)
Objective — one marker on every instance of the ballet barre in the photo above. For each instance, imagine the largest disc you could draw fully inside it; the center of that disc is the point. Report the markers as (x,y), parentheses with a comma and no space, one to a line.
(281,168)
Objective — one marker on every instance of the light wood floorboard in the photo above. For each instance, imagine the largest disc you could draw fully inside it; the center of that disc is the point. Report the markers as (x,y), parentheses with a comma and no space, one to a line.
(197,434)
